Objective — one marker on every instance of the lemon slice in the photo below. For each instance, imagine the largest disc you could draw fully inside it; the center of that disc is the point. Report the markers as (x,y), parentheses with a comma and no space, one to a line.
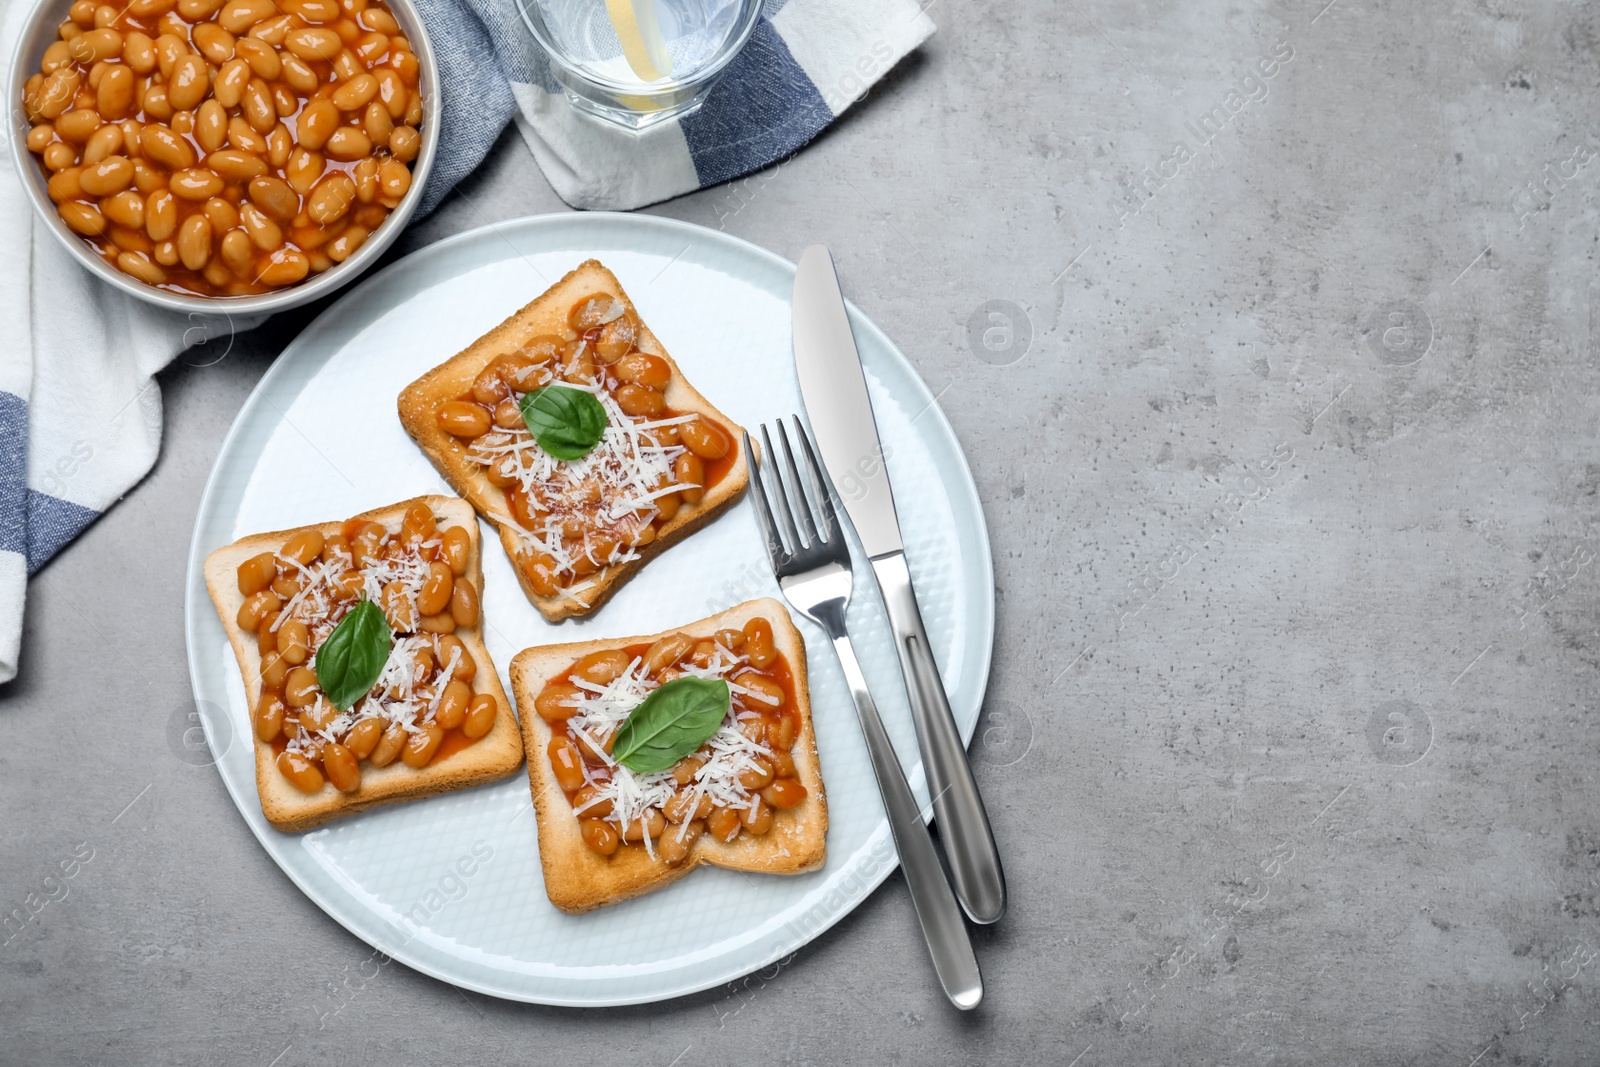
(642,43)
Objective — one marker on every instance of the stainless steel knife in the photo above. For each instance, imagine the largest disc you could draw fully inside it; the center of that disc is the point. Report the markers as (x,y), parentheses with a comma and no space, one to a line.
(835,392)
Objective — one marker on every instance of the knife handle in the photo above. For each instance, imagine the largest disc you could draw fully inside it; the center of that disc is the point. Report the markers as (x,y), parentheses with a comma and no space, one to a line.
(975,871)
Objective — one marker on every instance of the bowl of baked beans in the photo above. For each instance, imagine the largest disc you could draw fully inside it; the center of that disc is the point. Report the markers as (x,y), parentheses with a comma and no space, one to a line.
(225,155)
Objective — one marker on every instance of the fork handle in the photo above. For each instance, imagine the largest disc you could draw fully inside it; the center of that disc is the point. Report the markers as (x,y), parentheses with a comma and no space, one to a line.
(980,882)
(937,911)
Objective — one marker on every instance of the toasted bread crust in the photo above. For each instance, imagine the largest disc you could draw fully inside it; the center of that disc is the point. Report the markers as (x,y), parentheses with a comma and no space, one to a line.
(419,404)
(492,757)
(579,880)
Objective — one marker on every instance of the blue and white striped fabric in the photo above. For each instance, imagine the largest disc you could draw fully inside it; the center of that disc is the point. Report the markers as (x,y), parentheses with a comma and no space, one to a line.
(80,410)
(808,61)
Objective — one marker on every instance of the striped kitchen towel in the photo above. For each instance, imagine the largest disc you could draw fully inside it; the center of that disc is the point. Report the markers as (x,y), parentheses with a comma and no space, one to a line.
(807,62)
(80,410)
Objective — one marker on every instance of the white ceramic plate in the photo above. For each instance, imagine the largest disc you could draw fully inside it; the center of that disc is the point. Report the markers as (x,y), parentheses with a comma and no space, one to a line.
(451,885)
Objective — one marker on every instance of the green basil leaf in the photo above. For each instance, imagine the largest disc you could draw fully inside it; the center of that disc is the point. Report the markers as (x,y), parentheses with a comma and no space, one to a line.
(566,422)
(350,660)
(672,722)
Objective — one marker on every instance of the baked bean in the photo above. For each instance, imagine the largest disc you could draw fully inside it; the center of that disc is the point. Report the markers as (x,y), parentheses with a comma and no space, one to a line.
(765,694)
(376,122)
(603,667)
(234,165)
(666,651)
(436,589)
(782,762)
(420,747)
(283,266)
(397,607)
(195,183)
(640,400)
(235,250)
(457,548)
(705,439)
(685,805)
(538,569)
(365,173)
(195,10)
(481,716)
(279,144)
(148,179)
(239,15)
(268,718)
(95,45)
(259,110)
(274,197)
(556,701)
(313,44)
(294,642)
(214,42)
(40,137)
(78,125)
(588,802)
(354,94)
(211,126)
(262,57)
(312,11)
(82,219)
(255,573)
(287,585)
(757,818)
(274,668)
(684,770)
(724,824)
(330,198)
(221,213)
(264,233)
(689,471)
(779,733)
(255,606)
(673,848)
(757,776)
(507,416)
(653,824)
(643,369)
(394,179)
(59,156)
(464,606)
(453,703)
(317,123)
(565,764)
(760,646)
(389,746)
(616,338)
(405,142)
(228,90)
(114,94)
(300,689)
(341,767)
(785,793)
(461,418)
(363,737)
(301,772)
(160,215)
(188,83)
(466,667)
(194,242)
(346,64)
(598,836)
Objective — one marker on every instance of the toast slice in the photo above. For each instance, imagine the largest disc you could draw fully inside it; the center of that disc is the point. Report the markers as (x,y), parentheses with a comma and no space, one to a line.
(579,879)
(493,756)
(575,577)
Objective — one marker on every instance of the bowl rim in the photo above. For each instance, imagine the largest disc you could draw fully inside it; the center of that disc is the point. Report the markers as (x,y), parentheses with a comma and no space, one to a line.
(32,177)
(669,85)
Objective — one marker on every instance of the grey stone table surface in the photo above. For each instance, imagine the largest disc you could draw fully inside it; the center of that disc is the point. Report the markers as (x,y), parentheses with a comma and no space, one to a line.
(1270,333)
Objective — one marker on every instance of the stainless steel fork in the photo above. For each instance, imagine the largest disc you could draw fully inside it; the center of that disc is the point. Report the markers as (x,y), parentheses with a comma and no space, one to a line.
(814,574)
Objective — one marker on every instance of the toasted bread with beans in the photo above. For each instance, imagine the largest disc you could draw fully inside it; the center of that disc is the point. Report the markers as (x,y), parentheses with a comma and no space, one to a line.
(490,757)
(440,392)
(577,877)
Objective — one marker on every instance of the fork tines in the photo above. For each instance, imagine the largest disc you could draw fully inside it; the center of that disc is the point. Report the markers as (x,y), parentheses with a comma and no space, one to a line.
(810,504)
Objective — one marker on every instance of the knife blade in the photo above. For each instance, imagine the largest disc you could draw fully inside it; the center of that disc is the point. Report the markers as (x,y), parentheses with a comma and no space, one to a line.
(834,387)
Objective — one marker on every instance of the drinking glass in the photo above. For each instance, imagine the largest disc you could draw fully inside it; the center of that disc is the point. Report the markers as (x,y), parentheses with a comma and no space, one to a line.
(639,62)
